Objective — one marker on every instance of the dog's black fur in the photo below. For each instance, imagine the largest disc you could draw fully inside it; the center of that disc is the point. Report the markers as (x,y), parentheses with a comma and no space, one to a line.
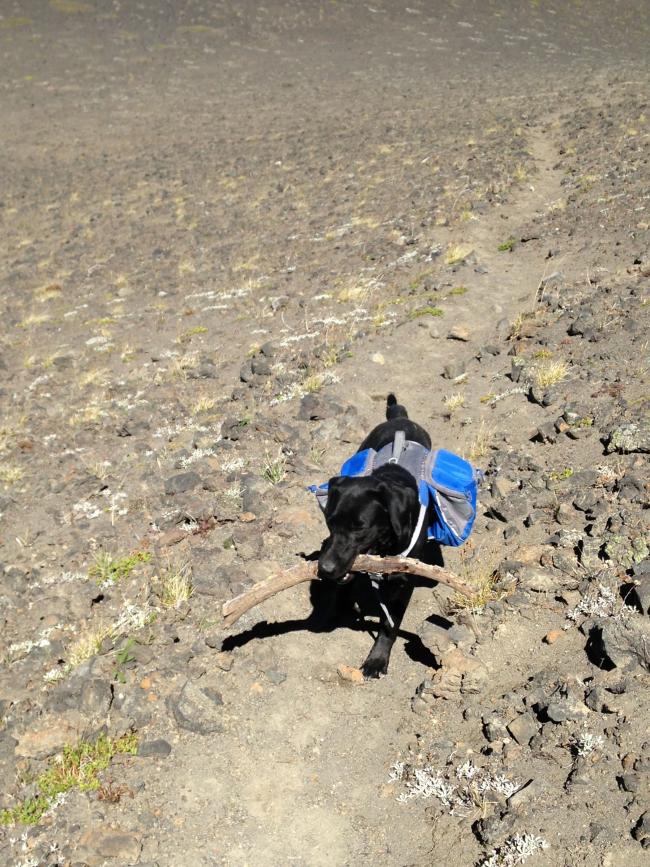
(376,514)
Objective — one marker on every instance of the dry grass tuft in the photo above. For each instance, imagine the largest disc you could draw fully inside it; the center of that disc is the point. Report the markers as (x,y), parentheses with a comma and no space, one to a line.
(547,372)
(454,401)
(203,404)
(480,445)
(457,253)
(10,474)
(481,573)
(88,645)
(176,586)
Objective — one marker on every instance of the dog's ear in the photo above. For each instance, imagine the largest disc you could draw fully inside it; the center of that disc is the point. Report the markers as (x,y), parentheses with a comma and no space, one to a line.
(401,503)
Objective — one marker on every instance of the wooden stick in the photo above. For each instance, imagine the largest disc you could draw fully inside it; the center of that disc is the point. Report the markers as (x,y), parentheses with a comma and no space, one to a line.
(307,571)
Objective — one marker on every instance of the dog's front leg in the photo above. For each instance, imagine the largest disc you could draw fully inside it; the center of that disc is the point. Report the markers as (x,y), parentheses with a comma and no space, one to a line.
(395,595)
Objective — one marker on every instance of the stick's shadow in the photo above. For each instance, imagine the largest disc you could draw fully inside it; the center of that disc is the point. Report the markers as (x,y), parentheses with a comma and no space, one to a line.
(353,603)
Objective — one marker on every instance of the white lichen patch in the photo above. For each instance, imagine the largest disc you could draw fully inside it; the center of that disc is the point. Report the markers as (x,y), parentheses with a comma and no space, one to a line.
(586,743)
(473,784)
(232,465)
(516,850)
(195,456)
(601,602)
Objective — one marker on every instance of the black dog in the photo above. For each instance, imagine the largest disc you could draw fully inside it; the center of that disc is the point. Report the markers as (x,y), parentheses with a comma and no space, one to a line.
(377,514)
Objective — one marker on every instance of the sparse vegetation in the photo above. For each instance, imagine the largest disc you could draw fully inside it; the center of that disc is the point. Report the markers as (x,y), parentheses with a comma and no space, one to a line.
(77,767)
(457,253)
(275,470)
(176,586)
(187,335)
(561,475)
(481,573)
(107,569)
(203,404)
(507,246)
(459,290)
(9,475)
(429,310)
(453,402)
(479,446)
(548,373)
(88,645)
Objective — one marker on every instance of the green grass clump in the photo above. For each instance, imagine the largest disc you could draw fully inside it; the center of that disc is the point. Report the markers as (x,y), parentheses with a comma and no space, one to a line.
(275,470)
(107,568)
(426,311)
(459,290)
(507,246)
(78,767)
(561,475)
(186,336)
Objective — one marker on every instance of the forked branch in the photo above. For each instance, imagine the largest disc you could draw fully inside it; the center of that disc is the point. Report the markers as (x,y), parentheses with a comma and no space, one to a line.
(307,571)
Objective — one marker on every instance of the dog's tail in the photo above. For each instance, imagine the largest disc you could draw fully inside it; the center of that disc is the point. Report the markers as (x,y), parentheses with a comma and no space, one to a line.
(394,409)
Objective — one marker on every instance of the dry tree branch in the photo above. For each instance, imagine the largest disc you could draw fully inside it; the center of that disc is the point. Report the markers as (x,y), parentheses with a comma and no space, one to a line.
(307,571)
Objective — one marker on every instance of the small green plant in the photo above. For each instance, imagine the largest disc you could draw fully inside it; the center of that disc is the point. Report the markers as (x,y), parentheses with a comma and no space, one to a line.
(561,475)
(234,492)
(459,290)
(507,246)
(186,336)
(275,470)
(543,353)
(316,455)
(123,657)
(77,767)
(429,310)
(112,570)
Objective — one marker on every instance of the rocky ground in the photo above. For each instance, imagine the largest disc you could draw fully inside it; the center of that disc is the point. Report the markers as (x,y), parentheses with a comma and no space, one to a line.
(228,232)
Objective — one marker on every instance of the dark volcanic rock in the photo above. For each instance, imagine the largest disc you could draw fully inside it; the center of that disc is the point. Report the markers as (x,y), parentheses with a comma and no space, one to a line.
(197,709)
(623,643)
(523,728)
(154,749)
(182,482)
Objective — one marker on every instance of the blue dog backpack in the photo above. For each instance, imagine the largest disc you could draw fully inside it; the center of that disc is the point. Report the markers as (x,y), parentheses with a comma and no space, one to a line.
(445,480)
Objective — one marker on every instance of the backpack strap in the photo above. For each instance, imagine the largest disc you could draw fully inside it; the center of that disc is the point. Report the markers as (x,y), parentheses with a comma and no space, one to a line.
(398,446)
(416,532)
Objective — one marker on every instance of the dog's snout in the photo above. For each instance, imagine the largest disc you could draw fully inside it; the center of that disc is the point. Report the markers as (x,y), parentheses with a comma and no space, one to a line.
(327,569)
(334,563)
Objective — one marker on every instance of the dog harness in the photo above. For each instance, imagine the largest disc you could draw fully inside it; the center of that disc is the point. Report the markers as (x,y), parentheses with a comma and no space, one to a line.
(446,481)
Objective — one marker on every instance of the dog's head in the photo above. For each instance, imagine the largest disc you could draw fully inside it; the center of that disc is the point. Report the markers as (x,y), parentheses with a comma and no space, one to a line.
(365,515)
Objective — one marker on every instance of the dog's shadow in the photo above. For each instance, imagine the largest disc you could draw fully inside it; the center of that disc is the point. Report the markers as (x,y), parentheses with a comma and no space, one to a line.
(354,602)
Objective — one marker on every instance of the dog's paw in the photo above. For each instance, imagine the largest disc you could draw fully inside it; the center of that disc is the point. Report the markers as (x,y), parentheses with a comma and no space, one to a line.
(374,668)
